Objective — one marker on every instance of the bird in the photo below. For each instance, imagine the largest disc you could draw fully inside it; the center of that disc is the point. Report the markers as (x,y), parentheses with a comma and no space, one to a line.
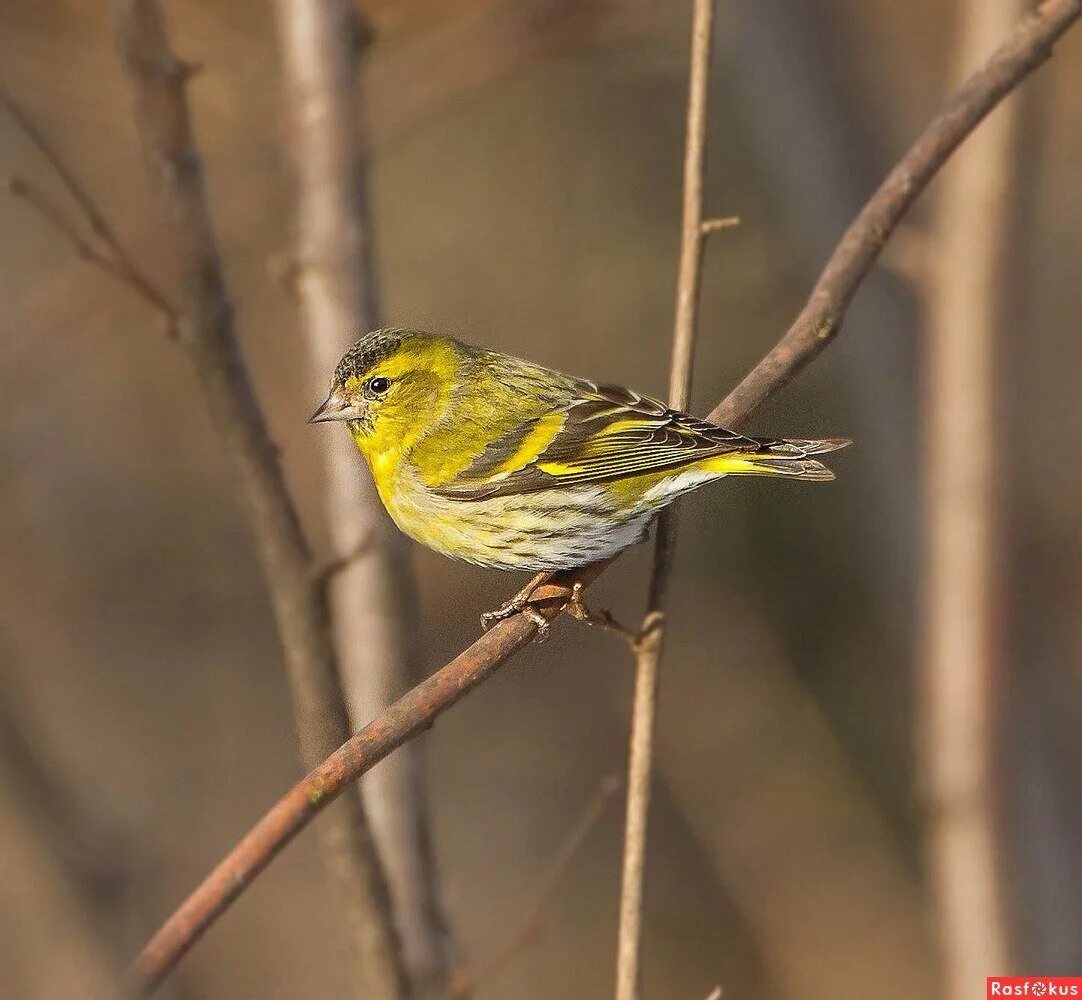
(512,465)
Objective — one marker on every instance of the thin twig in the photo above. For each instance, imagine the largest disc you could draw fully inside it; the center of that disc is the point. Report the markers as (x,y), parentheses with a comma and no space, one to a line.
(118,261)
(417,710)
(20,187)
(966,294)
(468,981)
(708,226)
(374,605)
(648,652)
(861,244)
(157,80)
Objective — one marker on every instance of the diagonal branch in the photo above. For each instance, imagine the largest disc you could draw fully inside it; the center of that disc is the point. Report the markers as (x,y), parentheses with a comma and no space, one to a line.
(861,244)
(649,647)
(416,711)
(207,331)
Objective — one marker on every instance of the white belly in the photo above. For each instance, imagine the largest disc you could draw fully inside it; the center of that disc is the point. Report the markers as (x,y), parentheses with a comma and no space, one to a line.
(537,531)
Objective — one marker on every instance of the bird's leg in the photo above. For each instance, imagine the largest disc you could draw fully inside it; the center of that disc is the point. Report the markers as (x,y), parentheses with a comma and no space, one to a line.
(576,607)
(520,604)
(541,623)
(602,619)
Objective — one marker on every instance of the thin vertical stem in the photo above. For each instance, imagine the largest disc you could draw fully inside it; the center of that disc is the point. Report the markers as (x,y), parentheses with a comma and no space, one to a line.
(692,228)
(372,598)
(648,653)
(965,301)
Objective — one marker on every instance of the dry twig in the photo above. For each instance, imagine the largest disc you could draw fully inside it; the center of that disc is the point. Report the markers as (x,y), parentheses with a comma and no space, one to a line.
(964,291)
(115,259)
(648,649)
(819,321)
(416,711)
(708,226)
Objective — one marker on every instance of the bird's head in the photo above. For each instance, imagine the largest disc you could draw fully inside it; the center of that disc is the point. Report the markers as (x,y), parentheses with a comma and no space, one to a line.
(392,384)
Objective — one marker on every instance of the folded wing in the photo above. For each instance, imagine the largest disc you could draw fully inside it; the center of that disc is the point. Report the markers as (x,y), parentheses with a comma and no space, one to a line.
(604,433)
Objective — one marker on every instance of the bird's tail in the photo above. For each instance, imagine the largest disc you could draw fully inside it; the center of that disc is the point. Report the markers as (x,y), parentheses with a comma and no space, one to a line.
(790,458)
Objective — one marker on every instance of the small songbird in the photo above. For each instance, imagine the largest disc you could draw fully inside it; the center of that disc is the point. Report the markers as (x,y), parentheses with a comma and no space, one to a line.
(508,464)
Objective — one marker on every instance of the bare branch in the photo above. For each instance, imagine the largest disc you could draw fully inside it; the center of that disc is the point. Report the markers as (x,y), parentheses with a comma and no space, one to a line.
(20,187)
(966,297)
(89,207)
(418,709)
(409,716)
(648,649)
(373,601)
(468,981)
(157,79)
(116,262)
(861,244)
(708,226)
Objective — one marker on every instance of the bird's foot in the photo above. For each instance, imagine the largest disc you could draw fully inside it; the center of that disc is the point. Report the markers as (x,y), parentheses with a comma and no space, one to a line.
(520,604)
(581,611)
(576,607)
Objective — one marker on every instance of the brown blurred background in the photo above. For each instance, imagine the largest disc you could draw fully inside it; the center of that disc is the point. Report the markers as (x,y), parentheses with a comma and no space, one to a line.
(525,189)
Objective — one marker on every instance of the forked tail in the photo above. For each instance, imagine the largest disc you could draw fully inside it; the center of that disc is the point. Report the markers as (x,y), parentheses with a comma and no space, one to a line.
(790,458)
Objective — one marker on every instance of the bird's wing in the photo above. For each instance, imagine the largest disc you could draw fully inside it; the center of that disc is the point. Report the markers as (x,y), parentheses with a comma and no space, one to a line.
(604,433)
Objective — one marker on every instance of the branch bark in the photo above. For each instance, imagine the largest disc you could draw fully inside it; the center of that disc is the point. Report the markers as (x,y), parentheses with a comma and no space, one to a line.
(651,642)
(1028,46)
(207,332)
(371,597)
(964,288)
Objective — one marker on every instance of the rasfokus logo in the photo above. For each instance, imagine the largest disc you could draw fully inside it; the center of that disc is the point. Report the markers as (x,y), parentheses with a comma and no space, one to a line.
(1042,987)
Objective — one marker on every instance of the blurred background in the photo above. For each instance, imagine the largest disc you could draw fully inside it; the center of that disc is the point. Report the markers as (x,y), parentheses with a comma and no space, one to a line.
(525,189)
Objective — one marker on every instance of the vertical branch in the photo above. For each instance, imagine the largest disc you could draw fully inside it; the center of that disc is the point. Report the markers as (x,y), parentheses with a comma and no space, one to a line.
(207,331)
(649,647)
(372,597)
(964,294)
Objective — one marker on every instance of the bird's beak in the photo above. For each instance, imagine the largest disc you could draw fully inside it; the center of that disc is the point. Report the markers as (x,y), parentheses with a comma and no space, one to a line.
(334,407)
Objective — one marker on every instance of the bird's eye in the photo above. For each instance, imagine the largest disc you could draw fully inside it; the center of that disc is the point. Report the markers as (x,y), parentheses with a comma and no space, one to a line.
(378,385)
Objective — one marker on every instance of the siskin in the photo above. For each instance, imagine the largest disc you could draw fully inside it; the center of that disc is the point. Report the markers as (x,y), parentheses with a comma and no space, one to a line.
(507,464)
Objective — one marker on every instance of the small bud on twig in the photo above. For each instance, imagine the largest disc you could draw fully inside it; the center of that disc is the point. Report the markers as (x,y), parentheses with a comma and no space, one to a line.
(709,226)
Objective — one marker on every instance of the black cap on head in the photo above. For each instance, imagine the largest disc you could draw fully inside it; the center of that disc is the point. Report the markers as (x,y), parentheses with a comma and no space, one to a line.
(368,351)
